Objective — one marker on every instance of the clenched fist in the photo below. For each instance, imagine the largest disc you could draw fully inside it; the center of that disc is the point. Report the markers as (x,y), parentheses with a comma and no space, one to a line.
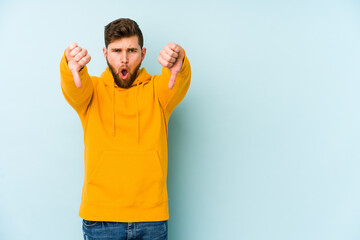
(172,57)
(76,58)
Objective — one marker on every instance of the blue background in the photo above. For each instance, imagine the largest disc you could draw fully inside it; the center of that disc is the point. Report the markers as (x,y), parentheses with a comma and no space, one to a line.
(265,146)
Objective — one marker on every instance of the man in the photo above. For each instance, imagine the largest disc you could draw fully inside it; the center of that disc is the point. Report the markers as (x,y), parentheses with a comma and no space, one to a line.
(124,115)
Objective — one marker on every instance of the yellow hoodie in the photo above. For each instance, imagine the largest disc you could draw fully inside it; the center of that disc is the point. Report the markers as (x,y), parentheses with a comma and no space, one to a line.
(125,138)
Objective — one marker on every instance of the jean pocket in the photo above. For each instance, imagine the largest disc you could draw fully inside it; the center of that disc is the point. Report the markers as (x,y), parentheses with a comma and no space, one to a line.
(90,224)
(159,229)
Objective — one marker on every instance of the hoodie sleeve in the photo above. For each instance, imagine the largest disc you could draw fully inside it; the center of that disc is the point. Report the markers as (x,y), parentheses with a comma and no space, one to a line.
(170,98)
(78,98)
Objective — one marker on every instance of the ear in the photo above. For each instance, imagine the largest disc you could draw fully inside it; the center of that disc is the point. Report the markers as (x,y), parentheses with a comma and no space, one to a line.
(105,52)
(143,53)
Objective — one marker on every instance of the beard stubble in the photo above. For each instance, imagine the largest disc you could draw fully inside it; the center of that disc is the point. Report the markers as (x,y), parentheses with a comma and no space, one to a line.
(120,82)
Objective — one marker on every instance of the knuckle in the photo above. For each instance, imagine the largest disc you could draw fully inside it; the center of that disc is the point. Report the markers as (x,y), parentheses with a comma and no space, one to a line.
(72,45)
(74,52)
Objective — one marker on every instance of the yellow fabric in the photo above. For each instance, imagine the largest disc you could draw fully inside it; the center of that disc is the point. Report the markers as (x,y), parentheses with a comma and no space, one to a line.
(125,138)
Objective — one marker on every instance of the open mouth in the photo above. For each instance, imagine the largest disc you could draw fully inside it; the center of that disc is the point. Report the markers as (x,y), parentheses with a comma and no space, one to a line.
(124,73)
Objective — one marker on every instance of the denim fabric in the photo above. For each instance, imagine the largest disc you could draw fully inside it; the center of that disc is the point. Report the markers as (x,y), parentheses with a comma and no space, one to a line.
(94,230)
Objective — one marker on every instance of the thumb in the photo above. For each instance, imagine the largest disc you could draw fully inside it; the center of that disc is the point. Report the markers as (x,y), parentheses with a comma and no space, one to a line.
(172,81)
(76,78)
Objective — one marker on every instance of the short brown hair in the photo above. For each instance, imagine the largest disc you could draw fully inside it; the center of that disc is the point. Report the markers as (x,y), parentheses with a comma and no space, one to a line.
(120,28)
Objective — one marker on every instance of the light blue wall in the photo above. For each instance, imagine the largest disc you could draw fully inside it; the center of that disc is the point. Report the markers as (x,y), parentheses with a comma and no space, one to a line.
(265,145)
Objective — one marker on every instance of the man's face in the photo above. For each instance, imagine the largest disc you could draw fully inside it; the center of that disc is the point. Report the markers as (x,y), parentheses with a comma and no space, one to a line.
(124,57)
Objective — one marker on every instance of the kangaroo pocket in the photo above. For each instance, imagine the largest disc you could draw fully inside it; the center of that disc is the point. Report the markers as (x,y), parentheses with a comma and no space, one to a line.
(127,179)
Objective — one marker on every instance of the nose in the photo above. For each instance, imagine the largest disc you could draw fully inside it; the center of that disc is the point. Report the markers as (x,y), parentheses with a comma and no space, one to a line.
(124,57)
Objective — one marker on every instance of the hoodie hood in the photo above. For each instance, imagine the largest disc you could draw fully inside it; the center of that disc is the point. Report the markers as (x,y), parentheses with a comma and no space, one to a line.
(108,80)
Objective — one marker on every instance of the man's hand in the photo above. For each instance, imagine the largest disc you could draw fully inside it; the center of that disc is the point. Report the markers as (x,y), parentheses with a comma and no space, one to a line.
(77,58)
(172,57)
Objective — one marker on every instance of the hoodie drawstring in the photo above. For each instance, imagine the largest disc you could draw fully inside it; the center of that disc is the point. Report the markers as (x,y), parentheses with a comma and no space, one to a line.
(137,112)
(113,105)
(143,76)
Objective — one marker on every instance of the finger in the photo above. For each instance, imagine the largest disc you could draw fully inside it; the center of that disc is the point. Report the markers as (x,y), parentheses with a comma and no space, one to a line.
(172,60)
(171,52)
(67,53)
(69,49)
(76,78)
(72,46)
(172,81)
(165,63)
(85,60)
(80,55)
(175,47)
(75,51)
(167,57)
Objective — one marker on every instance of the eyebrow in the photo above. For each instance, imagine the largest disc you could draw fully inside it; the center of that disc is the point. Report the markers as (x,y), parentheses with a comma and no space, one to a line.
(117,49)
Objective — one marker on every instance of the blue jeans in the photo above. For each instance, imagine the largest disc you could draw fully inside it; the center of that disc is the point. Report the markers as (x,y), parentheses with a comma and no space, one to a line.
(94,230)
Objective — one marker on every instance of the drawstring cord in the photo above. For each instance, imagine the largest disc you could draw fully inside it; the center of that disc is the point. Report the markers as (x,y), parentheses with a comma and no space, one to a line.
(137,112)
(113,103)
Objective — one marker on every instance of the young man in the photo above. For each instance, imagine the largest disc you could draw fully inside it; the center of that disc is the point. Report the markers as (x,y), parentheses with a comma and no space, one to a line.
(124,115)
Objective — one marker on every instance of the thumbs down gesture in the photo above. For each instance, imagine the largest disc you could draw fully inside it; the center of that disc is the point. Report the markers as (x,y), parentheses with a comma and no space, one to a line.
(77,57)
(171,57)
